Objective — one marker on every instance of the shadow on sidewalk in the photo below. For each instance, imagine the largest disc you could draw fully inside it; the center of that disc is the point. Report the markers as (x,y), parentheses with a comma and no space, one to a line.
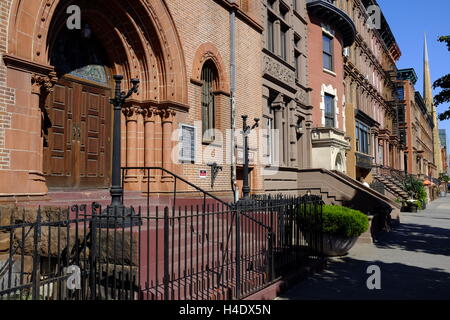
(345,278)
(418,238)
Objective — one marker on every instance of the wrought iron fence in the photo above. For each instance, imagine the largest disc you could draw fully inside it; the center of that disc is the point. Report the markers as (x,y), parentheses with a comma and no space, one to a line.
(189,252)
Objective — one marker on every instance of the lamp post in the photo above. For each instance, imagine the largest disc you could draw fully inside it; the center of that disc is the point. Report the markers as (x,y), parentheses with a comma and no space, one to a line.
(246,129)
(116,212)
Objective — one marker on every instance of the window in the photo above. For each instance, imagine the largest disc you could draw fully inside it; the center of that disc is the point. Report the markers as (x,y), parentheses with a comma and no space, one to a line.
(284,11)
(362,138)
(271,3)
(209,79)
(327,52)
(269,138)
(283,43)
(329,111)
(270,35)
(297,66)
(400,93)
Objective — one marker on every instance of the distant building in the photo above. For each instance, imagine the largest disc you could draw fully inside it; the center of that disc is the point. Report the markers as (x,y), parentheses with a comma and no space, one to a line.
(443,140)
(417,126)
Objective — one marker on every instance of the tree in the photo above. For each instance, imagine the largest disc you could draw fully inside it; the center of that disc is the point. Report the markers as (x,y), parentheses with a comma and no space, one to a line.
(443,83)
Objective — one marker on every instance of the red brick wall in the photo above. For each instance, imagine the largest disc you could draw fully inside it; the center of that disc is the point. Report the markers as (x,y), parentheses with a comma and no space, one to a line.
(208,22)
(317,77)
(6,94)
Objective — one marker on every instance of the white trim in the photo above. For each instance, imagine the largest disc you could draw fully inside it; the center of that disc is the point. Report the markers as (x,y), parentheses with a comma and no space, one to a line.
(329,89)
(329,72)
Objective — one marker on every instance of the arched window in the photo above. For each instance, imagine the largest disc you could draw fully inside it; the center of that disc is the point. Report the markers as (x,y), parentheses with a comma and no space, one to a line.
(209,78)
(339,164)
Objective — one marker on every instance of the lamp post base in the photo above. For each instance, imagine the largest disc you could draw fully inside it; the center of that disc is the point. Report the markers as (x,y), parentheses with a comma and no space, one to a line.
(118,216)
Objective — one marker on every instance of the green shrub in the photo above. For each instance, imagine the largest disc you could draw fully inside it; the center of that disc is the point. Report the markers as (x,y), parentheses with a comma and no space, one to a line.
(416,188)
(419,204)
(337,220)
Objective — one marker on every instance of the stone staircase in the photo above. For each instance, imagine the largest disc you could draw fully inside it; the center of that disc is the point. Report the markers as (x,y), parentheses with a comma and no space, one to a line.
(393,185)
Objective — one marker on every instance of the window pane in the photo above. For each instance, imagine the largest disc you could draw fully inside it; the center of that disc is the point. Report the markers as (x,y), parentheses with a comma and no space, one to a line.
(270,40)
(327,62)
(209,76)
(327,52)
(327,44)
(283,44)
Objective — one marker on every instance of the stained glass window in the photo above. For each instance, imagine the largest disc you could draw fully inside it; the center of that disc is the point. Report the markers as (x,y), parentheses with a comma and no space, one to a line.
(82,57)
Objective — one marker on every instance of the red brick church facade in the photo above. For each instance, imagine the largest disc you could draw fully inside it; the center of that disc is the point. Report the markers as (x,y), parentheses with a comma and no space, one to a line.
(55,85)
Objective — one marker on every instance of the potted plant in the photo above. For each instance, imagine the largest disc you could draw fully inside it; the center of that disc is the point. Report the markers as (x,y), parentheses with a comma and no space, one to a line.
(340,227)
(416,189)
(412,206)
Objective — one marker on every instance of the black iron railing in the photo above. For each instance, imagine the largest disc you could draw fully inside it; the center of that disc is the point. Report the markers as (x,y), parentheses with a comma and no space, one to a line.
(195,251)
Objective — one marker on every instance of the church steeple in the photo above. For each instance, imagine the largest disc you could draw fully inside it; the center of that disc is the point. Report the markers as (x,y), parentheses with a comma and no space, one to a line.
(427,87)
(428,98)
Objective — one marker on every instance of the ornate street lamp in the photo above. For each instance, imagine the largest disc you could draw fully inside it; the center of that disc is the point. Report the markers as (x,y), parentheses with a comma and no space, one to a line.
(116,214)
(246,129)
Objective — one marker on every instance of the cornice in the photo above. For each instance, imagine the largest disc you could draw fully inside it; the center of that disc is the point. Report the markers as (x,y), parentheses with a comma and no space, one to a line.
(21,64)
(241,14)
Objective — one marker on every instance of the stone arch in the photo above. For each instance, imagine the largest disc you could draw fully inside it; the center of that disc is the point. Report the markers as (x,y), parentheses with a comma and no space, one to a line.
(339,163)
(207,51)
(140,35)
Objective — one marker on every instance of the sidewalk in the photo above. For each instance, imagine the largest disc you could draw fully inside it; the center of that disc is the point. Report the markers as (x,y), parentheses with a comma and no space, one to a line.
(414,260)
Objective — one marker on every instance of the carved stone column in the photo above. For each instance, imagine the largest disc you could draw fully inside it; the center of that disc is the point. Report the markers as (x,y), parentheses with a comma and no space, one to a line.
(293,133)
(278,107)
(41,86)
(386,152)
(149,115)
(131,117)
(167,119)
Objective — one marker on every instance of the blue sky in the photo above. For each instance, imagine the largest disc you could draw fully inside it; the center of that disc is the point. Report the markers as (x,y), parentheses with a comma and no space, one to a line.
(409,21)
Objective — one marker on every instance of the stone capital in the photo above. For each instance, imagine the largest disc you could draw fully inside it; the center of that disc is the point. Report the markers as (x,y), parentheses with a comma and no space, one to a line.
(41,84)
(167,114)
(148,113)
(131,112)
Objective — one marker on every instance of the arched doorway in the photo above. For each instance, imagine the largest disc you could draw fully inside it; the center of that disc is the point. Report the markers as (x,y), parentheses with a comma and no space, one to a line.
(137,39)
(77,151)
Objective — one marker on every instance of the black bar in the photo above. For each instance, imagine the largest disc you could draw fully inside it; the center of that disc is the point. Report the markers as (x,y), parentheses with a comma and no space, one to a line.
(166,253)
(238,253)
(36,257)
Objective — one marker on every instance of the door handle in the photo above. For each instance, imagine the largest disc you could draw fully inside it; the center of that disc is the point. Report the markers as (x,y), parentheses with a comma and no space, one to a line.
(76,132)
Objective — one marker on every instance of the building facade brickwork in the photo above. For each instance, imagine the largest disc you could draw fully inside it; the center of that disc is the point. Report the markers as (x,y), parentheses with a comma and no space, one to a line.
(55,121)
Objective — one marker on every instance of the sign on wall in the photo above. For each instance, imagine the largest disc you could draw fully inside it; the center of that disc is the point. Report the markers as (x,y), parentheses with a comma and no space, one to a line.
(203,174)
(187,143)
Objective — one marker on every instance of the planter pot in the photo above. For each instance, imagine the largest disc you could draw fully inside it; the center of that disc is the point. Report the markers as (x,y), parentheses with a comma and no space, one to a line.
(410,207)
(334,246)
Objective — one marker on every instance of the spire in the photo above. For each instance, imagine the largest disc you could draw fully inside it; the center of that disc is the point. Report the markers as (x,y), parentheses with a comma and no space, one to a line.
(427,88)
(428,98)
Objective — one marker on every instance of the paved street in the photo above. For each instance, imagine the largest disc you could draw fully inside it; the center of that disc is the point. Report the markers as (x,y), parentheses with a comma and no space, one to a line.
(414,260)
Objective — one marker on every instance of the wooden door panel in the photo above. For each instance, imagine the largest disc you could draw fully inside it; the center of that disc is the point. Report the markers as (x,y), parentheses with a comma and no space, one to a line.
(78,152)
(95,145)
(58,154)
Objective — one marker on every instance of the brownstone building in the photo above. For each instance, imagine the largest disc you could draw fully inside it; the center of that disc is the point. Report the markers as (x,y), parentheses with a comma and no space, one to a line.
(370,72)
(418,126)
(55,116)
(330,30)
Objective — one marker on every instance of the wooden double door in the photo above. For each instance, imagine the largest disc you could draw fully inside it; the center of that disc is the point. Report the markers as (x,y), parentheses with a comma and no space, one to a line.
(78,151)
